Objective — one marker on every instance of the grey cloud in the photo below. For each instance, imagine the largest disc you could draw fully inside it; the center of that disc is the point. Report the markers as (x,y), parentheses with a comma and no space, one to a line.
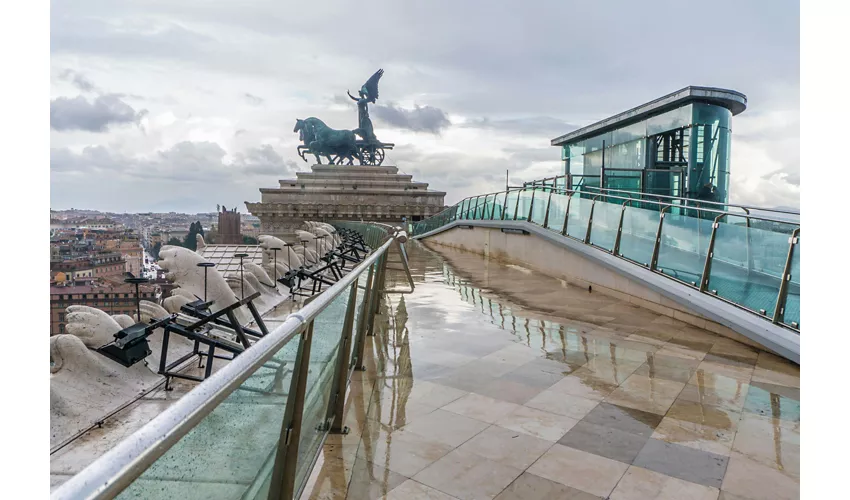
(497,60)
(418,119)
(79,80)
(790,176)
(93,116)
(183,177)
(255,100)
(529,155)
(184,161)
(505,58)
(543,126)
(264,160)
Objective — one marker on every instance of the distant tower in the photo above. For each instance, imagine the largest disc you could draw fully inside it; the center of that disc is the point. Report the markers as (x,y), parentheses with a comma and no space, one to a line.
(229,228)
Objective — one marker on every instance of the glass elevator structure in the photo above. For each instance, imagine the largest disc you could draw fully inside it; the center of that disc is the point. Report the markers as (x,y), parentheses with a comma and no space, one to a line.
(676,145)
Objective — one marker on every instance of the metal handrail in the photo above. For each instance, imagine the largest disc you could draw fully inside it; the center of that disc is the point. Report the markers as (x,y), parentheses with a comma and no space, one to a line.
(687,200)
(120,466)
(664,208)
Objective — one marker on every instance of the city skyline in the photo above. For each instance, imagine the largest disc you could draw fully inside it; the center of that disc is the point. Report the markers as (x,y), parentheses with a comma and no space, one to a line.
(174,107)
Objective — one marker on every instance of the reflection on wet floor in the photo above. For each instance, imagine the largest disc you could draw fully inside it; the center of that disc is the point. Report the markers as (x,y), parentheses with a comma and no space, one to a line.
(493,381)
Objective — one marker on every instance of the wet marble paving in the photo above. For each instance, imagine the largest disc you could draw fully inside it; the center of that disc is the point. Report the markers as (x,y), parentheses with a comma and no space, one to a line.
(493,381)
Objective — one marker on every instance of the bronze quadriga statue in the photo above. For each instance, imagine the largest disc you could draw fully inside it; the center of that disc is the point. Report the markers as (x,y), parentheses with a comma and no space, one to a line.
(340,146)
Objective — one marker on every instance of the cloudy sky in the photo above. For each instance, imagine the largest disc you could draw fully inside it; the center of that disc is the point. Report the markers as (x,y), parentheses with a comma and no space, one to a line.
(181,105)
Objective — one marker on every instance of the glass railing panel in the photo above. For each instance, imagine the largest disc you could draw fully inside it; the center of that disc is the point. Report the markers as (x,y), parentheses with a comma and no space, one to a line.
(233,447)
(538,208)
(498,206)
(578,217)
(464,213)
(683,247)
(488,206)
(479,207)
(758,288)
(792,302)
(606,220)
(510,206)
(359,304)
(637,240)
(748,264)
(557,211)
(324,352)
(524,204)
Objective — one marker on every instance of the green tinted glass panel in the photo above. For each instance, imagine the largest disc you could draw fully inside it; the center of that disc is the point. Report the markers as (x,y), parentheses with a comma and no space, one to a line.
(538,210)
(638,237)
(524,204)
(606,220)
(231,451)
(578,217)
(324,351)
(758,289)
(510,206)
(792,303)
(557,211)
(498,206)
(683,247)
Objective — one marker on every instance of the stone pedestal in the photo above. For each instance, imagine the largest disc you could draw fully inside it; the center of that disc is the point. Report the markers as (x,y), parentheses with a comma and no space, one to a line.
(331,192)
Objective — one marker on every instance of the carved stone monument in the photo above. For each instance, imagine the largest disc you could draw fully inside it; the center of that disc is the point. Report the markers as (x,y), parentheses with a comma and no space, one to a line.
(369,193)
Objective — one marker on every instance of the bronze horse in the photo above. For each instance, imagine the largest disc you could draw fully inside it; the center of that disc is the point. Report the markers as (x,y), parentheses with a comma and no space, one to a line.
(321,140)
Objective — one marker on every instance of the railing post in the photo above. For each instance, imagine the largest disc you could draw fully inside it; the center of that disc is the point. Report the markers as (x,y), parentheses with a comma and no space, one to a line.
(590,221)
(779,310)
(516,205)
(616,250)
(378,287)
(531,205)
(363,325)
(282,486)
(653,263)
(749,244)
(709,254)
(505,205)
(567,214)
(546,216)
(337,406)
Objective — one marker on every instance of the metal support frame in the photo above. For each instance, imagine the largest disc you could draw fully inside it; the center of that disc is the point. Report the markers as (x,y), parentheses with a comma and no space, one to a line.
(531,205)
(336,407)
(709,254)
(516,205)
(749,243)
(619,237)
(779,310)
(653,264)
(378,286)
(282,484)
(363,324)
(590,220)
(405,266)
(567,214)
(546,216)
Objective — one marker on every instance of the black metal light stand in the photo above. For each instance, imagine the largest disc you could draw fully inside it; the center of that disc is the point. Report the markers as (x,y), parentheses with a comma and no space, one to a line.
(137,281)
(274,264)
(206,266)
(288,255)
(241,272)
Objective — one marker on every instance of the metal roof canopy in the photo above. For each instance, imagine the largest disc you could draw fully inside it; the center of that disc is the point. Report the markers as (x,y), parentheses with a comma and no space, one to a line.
(732,100)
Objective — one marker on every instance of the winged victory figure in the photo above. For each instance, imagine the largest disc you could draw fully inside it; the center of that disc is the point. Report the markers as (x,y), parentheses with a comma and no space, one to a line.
(368,93)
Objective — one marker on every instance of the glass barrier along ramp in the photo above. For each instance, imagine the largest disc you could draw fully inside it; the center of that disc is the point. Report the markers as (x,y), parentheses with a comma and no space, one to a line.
(254,428)
(752,262)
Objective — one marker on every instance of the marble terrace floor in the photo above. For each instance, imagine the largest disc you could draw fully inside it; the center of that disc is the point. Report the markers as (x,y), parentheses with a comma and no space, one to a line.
(492,381)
